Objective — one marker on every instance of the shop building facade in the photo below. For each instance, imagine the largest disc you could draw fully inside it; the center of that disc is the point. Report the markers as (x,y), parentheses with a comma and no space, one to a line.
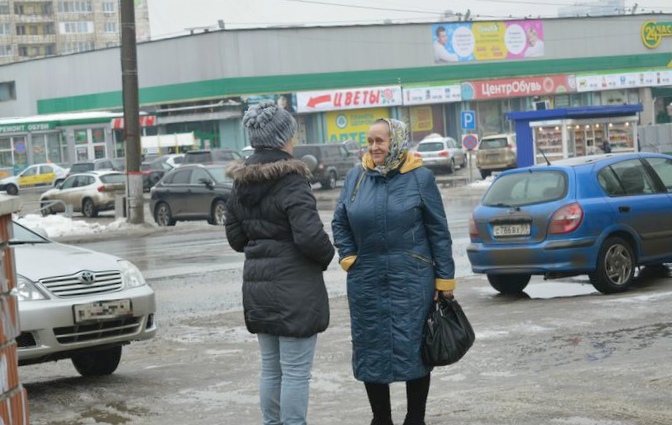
(337,80)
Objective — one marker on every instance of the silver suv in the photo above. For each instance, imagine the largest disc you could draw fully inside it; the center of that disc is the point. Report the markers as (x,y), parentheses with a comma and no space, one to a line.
(496,153)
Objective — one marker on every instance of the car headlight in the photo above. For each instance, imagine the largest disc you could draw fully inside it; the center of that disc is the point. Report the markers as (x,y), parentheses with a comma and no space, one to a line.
(131,274)
(27,290)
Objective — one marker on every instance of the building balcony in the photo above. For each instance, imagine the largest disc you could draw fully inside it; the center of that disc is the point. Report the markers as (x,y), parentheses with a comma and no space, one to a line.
(35,39)
(35,19)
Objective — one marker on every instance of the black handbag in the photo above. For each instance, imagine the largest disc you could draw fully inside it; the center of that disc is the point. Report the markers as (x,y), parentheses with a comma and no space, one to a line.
(448,335)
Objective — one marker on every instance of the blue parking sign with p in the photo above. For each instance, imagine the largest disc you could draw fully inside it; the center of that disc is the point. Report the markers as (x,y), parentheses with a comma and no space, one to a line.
(468,120)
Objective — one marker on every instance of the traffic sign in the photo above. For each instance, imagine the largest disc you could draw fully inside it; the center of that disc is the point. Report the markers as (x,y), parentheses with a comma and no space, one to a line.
(470,141)
(20,147)
(468,119)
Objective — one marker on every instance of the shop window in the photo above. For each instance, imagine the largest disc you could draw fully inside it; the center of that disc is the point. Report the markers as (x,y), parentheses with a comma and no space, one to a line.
(81,137)
(98,135)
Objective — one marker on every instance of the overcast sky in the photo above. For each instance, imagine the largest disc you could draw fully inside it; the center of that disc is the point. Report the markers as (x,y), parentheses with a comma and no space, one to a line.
(171,17)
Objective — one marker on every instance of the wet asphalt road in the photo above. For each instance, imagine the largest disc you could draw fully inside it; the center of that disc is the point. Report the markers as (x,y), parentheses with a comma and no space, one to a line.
(561,354)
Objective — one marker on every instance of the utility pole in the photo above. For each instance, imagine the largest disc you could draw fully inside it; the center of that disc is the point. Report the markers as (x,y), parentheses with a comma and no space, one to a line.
(129,74)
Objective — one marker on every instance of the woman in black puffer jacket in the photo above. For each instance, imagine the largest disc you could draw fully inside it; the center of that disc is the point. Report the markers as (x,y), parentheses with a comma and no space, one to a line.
(272,217)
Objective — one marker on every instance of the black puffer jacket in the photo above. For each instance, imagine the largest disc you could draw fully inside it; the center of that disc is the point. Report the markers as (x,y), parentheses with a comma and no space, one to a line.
(272,217)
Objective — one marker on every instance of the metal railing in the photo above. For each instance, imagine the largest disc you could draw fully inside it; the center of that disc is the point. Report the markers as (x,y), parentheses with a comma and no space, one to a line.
(45,207)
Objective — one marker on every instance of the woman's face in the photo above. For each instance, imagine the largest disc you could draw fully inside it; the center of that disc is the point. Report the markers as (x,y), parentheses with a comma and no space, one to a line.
(379,142)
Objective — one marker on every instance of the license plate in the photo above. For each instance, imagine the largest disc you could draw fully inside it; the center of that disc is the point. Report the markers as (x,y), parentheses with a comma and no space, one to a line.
(102,310)
(522,229)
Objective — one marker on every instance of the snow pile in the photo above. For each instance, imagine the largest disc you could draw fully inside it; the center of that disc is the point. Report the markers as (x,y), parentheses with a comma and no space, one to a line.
(59,225)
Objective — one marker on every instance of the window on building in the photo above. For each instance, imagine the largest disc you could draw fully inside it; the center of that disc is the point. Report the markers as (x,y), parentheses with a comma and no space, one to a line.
(5,50)
(108,7)
(18,9)
(23,51)
(75,6)
(5,29)
(111,27)
(7,91)
(4,7)
(6,159)
(49,28)
(50,49)
(77,46)
(33,30)
(20,30)
(76,27)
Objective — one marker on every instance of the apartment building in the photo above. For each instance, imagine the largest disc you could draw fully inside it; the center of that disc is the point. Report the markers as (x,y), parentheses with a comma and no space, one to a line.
(31,29)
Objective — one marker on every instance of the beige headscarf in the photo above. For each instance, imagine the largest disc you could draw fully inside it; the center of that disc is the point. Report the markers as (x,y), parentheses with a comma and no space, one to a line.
(398,145)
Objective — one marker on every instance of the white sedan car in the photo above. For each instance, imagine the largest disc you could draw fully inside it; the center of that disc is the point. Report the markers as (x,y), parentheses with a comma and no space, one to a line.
(78,304)
(34,176)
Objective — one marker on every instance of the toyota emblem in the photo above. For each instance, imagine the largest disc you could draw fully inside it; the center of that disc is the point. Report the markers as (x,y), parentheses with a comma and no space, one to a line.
(86,277)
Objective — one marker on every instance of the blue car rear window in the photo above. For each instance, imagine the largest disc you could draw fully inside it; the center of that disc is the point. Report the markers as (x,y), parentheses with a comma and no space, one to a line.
(533,187)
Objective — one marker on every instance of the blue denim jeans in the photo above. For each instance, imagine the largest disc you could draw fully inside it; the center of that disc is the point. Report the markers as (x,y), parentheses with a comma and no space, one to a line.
(285,375)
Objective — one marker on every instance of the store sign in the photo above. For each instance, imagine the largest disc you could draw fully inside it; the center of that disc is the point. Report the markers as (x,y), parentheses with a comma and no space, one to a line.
(518,87)
(653,33)
(25,128)
(333,100)
(432,94)
(625,80)
(352,125)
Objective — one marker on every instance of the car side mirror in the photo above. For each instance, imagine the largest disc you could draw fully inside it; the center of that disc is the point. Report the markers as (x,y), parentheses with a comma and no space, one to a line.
(207,182)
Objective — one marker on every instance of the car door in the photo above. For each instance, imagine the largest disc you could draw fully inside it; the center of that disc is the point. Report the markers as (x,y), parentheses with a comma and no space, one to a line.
(46,175)
(178,192)
(81,189)
(200,195)
(29,176)
(65,193)
(640,204)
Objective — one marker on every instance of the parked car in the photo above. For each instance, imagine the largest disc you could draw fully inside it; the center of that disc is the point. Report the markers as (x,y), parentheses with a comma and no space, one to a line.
(210,156)
(152,173)
(119,164)
(328,162)
(191,192)
(247,151)
(77,304)
(99,164)
(441,154)
(600,215)
(172,159)
(355,148)
(33,176)
(496,153)
(88,193)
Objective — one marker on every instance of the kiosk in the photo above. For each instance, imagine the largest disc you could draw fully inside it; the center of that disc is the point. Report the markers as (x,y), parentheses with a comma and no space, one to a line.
(576,131)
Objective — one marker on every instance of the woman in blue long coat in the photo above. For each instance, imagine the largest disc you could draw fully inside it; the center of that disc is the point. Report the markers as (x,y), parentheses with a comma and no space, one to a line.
(392,237)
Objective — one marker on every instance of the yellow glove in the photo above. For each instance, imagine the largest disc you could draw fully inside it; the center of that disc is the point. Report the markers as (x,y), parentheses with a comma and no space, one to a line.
(348,261)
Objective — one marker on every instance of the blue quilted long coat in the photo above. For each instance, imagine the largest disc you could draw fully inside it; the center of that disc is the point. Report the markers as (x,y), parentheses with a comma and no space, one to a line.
(396,227)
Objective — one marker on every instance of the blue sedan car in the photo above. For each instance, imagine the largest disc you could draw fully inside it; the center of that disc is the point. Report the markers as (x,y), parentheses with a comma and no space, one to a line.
(600,215)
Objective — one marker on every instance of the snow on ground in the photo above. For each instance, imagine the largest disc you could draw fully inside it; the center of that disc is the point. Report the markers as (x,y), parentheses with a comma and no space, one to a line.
(59,225)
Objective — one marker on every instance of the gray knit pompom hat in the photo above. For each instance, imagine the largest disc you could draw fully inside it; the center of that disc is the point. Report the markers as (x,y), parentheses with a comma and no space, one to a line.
(269,126)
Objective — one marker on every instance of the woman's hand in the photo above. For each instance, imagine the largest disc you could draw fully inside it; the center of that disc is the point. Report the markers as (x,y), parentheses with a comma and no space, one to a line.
(446,294)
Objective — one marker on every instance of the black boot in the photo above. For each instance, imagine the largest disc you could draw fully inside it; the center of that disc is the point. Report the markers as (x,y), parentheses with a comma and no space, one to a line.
(379,399)
(416,398)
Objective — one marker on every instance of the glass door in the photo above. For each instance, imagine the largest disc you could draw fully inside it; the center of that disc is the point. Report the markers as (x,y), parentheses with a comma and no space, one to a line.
(90,144)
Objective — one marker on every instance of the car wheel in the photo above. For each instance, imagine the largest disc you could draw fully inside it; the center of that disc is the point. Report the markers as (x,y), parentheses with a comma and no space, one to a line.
(615,266)
(12,190)
(330,183)
(89,209)
(46,209)
(509,283)
(451,167)
(218,214)
(485,173)
(97,363)
(163,216)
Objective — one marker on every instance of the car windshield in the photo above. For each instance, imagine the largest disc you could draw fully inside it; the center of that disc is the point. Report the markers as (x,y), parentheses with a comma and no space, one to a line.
(22,235)
(82,167)
(493,143)
(219,174)
(113,178)
(430,146)
(530,187)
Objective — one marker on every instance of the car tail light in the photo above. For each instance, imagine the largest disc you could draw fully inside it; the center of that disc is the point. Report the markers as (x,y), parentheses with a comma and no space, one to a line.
(321,166)
(473,230)
(418,154)
(101,189)
(444,153)
(566,219)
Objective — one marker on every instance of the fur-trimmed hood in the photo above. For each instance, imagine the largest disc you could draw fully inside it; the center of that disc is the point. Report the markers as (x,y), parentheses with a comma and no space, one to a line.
(254,178)
(243,173)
